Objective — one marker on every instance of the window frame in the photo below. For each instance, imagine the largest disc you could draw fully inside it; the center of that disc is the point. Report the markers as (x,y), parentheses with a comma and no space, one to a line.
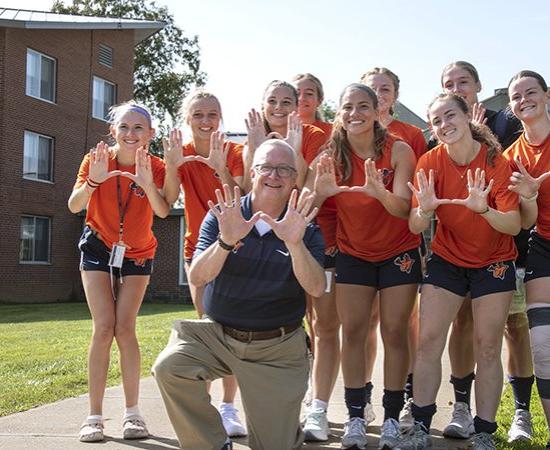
(54,82)
(34,261)
(51,180)
(94,78)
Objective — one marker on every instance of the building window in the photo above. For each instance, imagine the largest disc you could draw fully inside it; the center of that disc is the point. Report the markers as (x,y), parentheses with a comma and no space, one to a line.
(105,56)
(37,157)
(40,76)
(103,98)
(35,239)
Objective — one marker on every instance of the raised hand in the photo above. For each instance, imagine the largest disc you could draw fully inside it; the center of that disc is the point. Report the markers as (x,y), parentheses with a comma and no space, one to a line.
(144,173)
(325,178)
(524,184)
(255,129)
(478,114)
(425,194)
(217,157)
(232,225)
(173,149)
(299,213)
(477,192)
(294,132)
(99,164)
(374,184)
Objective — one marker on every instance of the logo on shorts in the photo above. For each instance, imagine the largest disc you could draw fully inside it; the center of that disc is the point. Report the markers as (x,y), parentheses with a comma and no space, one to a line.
(387,176)
(139,262)
(138,191)
(405,263)
(498,269)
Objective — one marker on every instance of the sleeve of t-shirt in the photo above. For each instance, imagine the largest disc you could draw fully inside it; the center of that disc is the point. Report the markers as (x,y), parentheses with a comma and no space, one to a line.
(83,172)
(314,139)
(316,244)
(158,171)
(418,144)
(208,233)
(235,161)
(505,199)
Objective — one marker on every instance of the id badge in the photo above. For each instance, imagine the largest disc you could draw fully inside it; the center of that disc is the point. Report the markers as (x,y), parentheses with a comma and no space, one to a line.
(116,258)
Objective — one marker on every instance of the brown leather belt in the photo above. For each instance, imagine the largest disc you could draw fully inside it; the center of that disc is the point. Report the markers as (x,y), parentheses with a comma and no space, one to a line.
(247,336)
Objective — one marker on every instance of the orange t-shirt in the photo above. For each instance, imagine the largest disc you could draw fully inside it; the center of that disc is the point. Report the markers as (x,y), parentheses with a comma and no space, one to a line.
(199,183)
(536,160)
(411,135)
(102,213)
(365,229)
(313,139)
(325,126)
(463,237)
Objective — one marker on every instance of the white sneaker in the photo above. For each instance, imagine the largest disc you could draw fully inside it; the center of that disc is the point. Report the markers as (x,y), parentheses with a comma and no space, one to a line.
(91,431)
(521,428)
(462,422)
(316,425)
(406,419)
(231,422)
(134,428)
(415,439)
(389,434)
(482,441)
(355,434)
(369,414)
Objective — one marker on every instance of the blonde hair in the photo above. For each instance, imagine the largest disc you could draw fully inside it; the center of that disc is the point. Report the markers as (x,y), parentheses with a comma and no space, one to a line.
(318,87)
(275,84)
(468,67)
(197,94)
(117,111)
(480,133)
(339,144)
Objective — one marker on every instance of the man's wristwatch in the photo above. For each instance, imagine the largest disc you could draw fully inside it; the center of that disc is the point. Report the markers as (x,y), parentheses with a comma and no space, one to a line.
(224,245)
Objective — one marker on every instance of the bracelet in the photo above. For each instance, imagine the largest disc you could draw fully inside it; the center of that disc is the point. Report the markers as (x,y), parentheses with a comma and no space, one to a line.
(225,245)
(424,214)
(485,212)
(529,199)
(91,185)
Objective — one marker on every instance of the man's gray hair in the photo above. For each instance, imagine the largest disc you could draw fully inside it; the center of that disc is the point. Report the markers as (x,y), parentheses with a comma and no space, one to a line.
(273,143)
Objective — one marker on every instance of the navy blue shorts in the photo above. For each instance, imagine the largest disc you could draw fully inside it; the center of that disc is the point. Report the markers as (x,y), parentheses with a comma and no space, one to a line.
(496,277)
(395,271)
(537,264)
(330,260)
(94,256)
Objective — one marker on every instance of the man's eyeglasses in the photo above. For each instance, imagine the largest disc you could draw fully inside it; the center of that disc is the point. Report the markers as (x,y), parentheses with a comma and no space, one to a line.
(281,171)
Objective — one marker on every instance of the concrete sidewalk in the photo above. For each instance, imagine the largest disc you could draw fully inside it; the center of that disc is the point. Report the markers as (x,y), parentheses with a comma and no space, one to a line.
(55,426)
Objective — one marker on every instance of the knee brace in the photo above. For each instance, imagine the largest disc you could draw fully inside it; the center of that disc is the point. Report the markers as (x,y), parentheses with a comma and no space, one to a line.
(539,331)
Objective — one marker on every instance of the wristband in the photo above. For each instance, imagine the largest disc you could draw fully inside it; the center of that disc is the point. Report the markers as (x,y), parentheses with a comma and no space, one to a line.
(224,245)
(91,185)
(529,199)
(423,214)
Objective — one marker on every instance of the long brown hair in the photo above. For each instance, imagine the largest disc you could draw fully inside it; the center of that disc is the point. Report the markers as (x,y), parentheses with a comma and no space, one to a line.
(276,84)
(480,133)
(468,67)
(530,74)
(339,144)
(391,75)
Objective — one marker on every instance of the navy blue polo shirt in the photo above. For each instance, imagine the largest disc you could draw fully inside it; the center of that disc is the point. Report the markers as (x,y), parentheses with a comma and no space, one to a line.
(256,289)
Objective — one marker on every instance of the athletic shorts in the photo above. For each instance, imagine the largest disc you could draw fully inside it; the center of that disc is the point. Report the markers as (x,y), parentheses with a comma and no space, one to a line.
(330,258)
(94,256)
(518,299)
(396,271)
(496,277)
(537,264)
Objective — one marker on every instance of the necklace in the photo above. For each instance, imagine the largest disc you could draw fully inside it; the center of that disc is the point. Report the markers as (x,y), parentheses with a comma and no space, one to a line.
(467,167)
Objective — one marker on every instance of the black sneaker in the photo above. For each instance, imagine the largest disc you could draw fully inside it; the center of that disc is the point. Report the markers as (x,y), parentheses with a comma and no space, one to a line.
(227,446)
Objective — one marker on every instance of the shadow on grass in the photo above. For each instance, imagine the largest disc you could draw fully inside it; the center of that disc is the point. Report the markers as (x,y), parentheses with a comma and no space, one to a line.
(29,313)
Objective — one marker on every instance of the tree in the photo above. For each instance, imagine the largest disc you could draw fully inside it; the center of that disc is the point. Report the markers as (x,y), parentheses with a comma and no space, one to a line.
(328,109)
(166,65)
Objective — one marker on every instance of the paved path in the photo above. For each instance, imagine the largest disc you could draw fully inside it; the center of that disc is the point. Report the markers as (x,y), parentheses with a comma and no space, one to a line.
(55,426)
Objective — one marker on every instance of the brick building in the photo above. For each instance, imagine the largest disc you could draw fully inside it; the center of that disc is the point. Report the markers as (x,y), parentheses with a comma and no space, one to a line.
(58,76)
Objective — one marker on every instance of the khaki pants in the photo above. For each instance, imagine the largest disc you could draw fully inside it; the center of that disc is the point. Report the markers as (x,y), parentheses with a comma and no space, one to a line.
(272,376)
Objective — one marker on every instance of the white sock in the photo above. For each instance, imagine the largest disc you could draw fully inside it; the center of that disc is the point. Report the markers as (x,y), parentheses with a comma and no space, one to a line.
(94,418)
(226,405)
(131,412)
(319,404)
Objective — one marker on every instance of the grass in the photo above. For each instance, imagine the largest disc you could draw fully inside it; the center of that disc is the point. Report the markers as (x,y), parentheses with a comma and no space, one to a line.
(43,351)
(44,347)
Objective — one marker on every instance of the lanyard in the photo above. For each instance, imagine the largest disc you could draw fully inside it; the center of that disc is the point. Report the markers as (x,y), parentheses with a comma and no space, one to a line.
(121,208)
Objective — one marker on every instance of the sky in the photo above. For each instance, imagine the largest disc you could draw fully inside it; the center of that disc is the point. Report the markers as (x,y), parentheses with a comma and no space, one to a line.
(246,44)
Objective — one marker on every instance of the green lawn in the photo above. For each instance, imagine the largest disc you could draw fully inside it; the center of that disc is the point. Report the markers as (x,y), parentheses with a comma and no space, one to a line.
(43,358)
(43,350)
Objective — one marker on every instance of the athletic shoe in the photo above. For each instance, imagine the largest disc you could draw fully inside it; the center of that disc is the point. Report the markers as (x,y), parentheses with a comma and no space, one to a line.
(355,434)
(369,414)
(316,425)
(482,441)
(227,446)
(389,434)
(406,419)
(521,428)
(134,427)
(462,423)
(416,438)
(231,422)
(91,432)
